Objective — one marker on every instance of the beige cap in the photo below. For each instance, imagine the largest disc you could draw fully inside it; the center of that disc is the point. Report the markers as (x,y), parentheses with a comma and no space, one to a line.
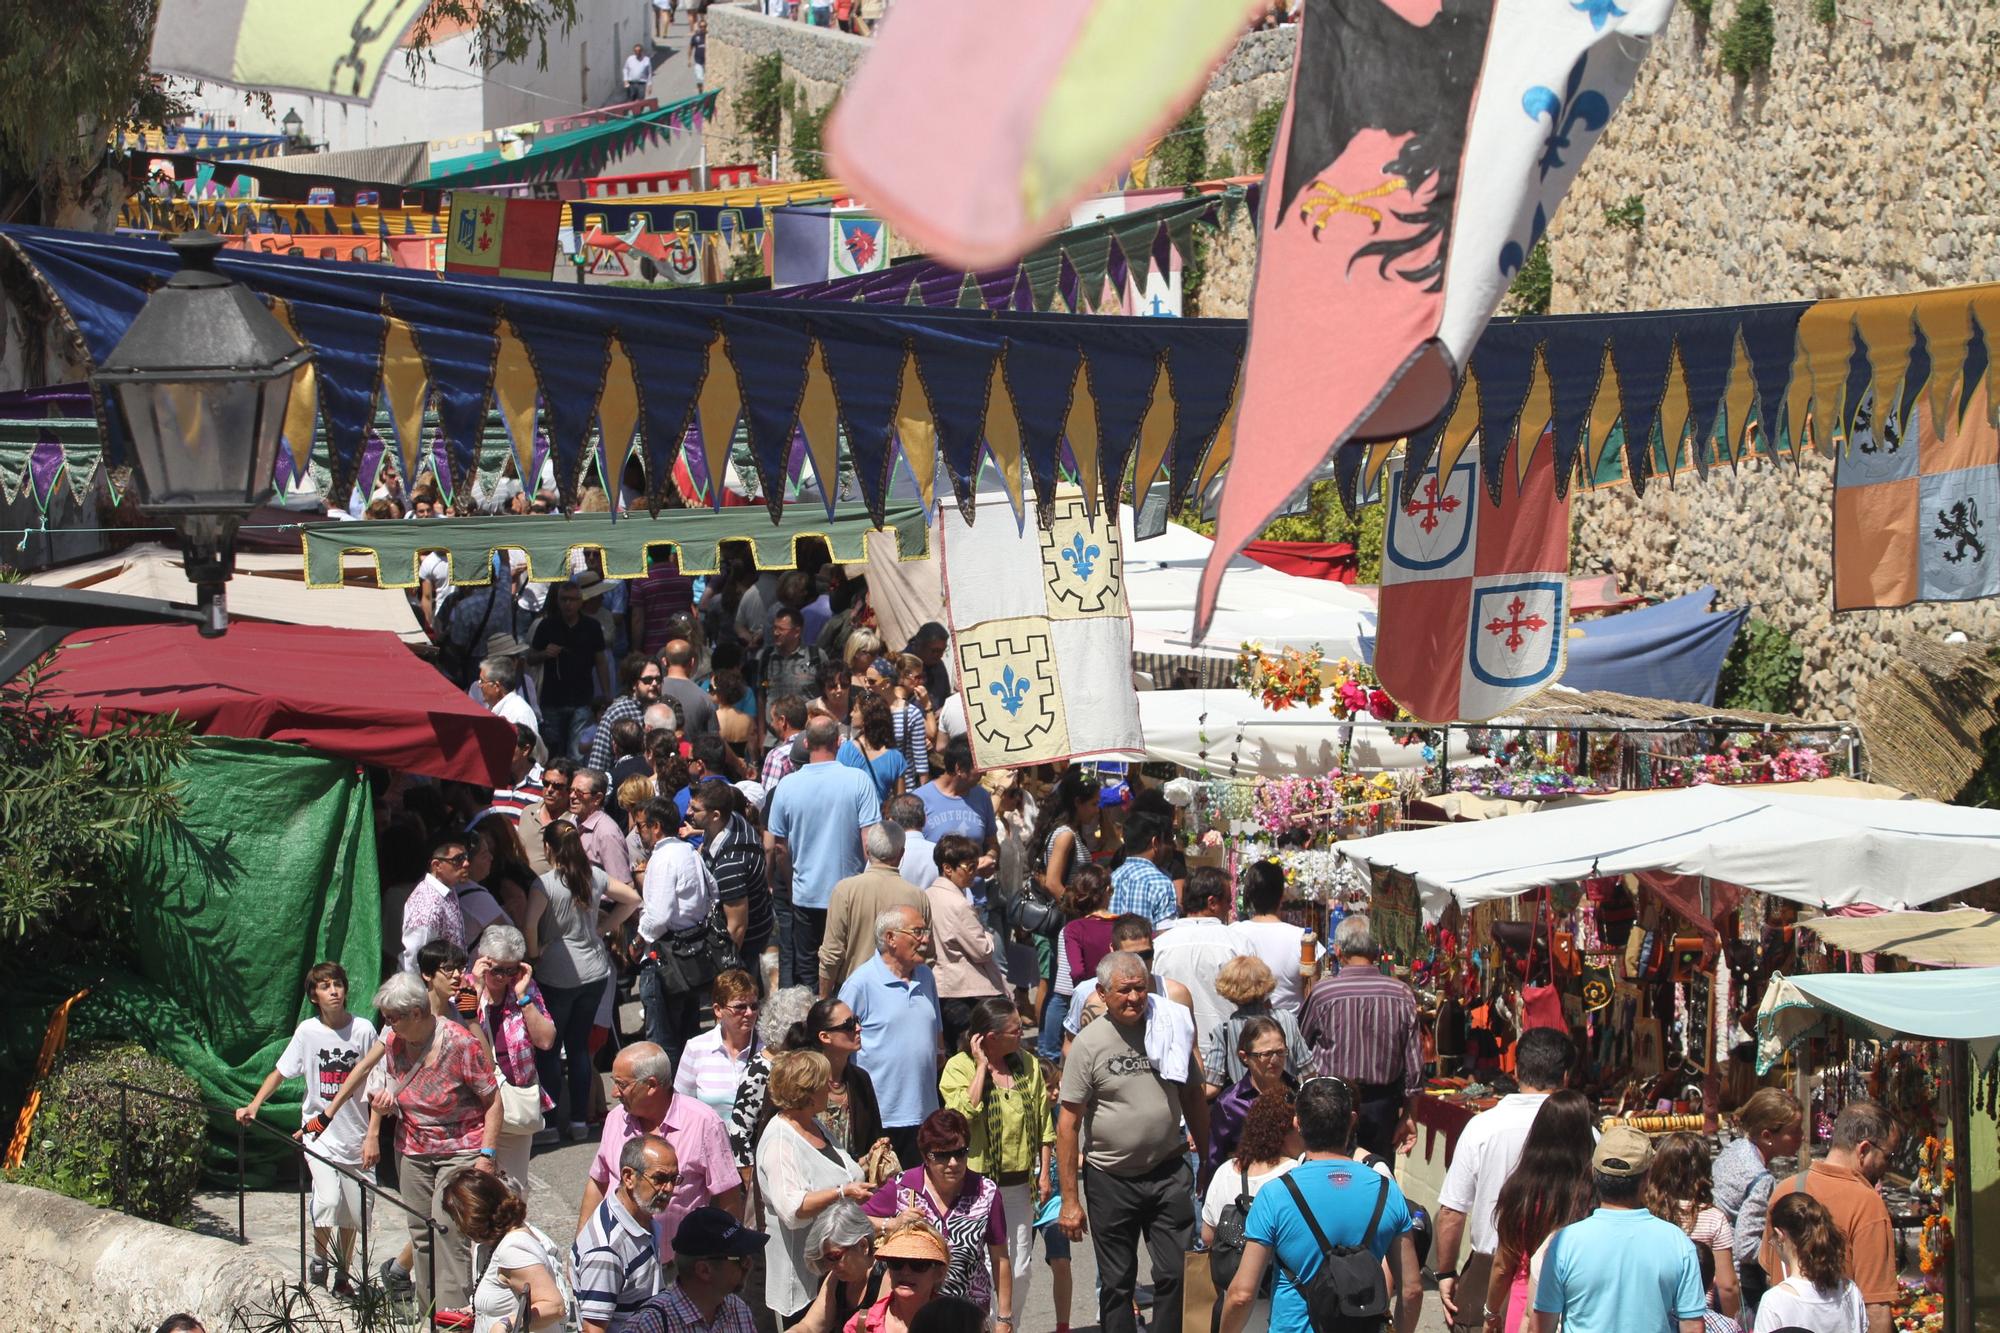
(1622,1151)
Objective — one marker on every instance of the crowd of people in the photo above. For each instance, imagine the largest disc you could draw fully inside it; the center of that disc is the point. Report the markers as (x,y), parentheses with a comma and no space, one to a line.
(840,933)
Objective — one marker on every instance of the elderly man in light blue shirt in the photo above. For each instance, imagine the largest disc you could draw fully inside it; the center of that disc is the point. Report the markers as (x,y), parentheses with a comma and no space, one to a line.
(895,998)
(816,815)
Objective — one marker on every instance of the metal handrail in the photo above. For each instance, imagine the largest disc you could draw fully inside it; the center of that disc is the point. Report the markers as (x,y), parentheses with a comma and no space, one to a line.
(370,1190)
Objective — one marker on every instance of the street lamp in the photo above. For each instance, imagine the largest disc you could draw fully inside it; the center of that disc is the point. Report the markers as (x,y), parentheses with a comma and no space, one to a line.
(200,383)
(293,126)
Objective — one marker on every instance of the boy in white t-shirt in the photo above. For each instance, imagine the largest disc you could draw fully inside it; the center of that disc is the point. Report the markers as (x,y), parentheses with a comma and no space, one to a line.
(323,1051)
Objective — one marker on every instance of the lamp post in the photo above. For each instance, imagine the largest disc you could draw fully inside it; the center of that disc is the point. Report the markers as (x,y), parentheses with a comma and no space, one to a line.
(200,383)
(293,127)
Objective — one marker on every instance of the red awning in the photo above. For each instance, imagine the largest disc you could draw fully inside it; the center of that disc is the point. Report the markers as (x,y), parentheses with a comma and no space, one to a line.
(358,694)
(1334,561)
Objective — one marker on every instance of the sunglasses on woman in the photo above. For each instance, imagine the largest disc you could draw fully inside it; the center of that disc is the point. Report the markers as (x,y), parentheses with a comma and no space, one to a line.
(913,1265)
(850,1027)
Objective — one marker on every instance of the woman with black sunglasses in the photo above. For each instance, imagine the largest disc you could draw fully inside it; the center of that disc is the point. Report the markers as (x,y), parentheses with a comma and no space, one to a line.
(963,1205)
(914,1258)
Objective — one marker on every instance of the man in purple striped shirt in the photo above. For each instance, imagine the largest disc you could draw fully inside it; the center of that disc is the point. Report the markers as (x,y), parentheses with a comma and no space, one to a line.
(1362,1027)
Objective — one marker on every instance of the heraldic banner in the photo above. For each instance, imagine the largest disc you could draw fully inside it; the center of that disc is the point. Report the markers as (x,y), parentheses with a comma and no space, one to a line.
(1475,596)
(1041,634)
(1916,497)
(501,238)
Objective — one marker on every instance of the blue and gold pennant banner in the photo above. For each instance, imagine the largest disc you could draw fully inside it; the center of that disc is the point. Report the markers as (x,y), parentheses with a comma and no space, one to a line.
(1619,397)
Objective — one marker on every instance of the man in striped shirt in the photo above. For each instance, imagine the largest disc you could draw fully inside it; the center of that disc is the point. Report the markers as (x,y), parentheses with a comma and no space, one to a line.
(615,1264)
(1362,1027)
(785,718)
(526,788)
(1139,885)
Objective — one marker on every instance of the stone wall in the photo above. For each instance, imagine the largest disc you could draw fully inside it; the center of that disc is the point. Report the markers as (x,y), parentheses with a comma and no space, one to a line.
(817,62)
(75,1267)
(1787,188)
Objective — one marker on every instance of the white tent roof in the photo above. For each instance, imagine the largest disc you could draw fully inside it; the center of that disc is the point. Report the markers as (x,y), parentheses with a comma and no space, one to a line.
(267,586)
(1827,851)
(1245,739)
(1277,609)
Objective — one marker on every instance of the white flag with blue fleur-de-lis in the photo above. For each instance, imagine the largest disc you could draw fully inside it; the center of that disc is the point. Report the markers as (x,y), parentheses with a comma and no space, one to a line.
(1041,634)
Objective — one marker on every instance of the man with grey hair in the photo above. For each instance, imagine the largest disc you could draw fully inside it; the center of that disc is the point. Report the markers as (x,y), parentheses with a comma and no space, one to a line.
(1135,1179)
(615,1263)
(664,716)
(894,998)
(500,691)
(1362,1027)
(919,863)
(642,1079)
(858,903)
(603,840)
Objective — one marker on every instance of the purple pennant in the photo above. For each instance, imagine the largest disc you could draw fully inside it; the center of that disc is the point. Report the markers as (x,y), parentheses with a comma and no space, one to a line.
(696,458)
(281,473)
(441,465)
(45,464)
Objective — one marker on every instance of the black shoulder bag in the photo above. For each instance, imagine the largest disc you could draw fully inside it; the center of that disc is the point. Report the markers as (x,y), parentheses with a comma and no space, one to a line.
(1347,1294)
(1225,1256)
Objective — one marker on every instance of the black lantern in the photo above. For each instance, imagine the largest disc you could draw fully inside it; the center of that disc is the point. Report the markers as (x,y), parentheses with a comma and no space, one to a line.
(293,126)
(200,383)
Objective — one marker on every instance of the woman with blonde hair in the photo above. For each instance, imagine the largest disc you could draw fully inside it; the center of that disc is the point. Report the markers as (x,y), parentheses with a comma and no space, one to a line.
(1679,1190)
(1771,1126)
(801,1172)
(1816,1295)
(1247,982)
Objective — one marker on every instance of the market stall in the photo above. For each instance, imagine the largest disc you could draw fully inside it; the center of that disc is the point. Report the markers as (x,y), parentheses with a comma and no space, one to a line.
(1935,1033)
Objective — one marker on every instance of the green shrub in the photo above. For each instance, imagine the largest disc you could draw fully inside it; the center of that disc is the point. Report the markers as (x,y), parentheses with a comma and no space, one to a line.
(1749,39)
(1181,156)
(1530,291)
(1761,673)
(1701,9)
(1262,134)
(1825,11)
(76,1149)
(761,106)
(1628,214)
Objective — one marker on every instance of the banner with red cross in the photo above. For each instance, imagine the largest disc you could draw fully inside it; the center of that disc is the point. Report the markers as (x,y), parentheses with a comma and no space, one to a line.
(1475,596)
(501,238)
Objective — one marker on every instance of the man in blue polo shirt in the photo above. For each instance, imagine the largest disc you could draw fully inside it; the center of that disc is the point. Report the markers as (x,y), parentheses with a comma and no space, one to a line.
(1342,1194)
(817,815)
(895,999)
(1620,1270)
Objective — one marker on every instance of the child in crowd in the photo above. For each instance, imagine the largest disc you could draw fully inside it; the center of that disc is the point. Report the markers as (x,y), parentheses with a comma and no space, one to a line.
(323,1051)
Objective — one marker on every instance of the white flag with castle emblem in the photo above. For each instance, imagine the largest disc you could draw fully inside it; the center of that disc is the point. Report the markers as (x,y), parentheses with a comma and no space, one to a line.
(1041,634)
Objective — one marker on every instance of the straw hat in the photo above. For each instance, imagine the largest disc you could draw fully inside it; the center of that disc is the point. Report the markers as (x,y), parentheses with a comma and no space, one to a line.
(915,1241)
(504,645)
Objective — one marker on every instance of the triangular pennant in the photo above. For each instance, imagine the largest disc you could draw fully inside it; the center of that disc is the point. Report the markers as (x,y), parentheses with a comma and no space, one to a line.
(819,424)
(570,357)
(1003,436)
(1771,339)
(1642,364)
(302,408)
(1090,257)
(1506,361)
(1604,409)
(617,417)
(1206,381)
(1573,389)
(458,357)
(347,348)
(916,431)
(1674,415)
(1080,436)
(1040,370)
(669,373)
(1532,425)
(1886,326)
(1916,375)
(958,380)
(1736,403)
(1122,383)
(1855,394)
(1977,362)
(1156,434)
(514,394)
(405,384)
(1945,327)
(778,348)
(716,410)
(865,360)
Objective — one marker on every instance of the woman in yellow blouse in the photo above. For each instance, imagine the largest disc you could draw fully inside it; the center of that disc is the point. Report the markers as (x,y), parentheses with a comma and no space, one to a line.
(1000,1091)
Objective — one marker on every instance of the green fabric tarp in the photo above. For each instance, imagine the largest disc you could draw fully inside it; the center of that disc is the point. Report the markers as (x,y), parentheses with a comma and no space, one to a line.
(270,869)
(547,541)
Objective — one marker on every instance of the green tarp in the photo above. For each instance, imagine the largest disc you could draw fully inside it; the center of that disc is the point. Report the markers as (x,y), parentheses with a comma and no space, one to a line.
(547,541)
(270,869)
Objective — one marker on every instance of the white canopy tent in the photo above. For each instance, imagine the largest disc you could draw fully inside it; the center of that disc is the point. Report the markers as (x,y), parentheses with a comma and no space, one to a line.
(1826,851)
(267,586)
(1245,739)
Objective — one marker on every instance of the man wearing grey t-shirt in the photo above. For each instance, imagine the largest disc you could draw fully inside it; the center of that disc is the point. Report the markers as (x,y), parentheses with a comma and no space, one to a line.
(1136,1176)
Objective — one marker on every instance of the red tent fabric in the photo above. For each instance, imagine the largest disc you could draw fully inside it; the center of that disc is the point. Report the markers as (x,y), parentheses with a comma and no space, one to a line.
(1334,561)
(358,694)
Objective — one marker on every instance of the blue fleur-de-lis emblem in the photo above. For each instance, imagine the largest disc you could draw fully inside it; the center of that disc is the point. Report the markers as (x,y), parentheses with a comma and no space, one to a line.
(1082,558)
(1600,11)
(468,227)
(1012,690)
(1576,106)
